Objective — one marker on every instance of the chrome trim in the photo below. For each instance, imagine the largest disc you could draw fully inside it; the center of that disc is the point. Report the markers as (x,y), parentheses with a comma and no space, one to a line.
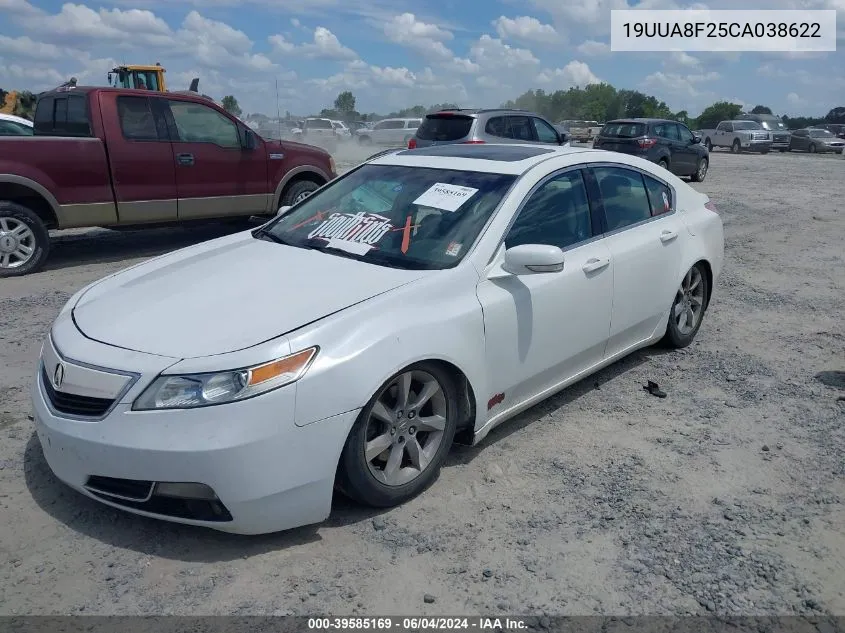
(133,379)
(124,498)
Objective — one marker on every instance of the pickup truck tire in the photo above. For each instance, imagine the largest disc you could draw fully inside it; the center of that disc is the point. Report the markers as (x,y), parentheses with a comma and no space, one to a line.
(24,240)
(708,145)
(736,146)
(701,170)
(299,190)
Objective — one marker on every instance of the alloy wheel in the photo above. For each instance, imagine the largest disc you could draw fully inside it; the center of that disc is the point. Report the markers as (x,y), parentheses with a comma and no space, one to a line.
(689,302)
(405,428)
(17,243)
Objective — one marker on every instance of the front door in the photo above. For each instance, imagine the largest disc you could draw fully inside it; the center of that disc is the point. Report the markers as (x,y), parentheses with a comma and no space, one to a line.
(544,328)
(215,175)
(644,238)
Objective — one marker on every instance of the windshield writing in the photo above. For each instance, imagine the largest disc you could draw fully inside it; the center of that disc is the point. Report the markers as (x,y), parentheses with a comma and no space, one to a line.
(405,217)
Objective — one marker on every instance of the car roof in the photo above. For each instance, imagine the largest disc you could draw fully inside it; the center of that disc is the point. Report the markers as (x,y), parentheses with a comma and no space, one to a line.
(15,119)
(511,158)
(642,120)
(479,111)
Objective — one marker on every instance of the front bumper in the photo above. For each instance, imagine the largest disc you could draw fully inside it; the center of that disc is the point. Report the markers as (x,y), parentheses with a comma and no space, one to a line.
(267,473)
(757,146)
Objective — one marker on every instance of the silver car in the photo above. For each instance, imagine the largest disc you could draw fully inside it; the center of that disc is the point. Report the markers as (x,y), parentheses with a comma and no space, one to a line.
(389,132)
(486,126)
(816,140)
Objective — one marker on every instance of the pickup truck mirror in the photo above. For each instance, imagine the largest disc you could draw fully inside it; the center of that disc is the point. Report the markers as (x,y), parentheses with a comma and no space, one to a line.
(250,140)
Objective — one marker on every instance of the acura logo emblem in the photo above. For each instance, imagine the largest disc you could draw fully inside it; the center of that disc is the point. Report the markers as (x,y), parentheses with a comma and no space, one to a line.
(58,375)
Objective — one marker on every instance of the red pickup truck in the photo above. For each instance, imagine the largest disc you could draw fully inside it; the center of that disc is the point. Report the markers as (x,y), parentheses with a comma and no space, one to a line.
(116,158)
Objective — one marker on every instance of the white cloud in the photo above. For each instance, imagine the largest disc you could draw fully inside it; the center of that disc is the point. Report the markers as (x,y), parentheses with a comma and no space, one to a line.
(575,73)
(325,45)
(494,55)
(682,60)
(593,48)
(421,37)
(526,29)
(794,100)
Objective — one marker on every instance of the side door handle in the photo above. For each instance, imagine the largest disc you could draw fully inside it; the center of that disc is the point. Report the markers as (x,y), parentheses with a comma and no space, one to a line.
(185,159)
(668,236)
(595,263)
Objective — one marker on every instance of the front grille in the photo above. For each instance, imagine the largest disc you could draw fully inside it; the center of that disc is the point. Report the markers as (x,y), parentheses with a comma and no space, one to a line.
(140,495)
(72,404)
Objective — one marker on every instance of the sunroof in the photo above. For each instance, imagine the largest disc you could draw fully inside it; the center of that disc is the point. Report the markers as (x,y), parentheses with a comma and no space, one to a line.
(505,153)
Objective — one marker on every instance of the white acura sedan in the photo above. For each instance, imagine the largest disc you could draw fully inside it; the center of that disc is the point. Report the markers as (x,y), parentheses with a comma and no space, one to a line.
(420,299)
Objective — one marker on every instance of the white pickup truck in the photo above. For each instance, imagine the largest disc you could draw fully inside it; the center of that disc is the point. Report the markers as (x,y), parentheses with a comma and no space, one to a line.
(738,136)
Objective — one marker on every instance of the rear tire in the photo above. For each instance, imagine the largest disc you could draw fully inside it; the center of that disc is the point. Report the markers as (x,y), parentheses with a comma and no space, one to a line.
(688,308)
(365,478)
(365,140)
(24,240)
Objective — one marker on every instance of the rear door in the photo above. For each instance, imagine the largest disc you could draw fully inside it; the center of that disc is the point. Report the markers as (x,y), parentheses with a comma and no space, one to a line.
(443,128)
(142,163)
(215,175)
(521,129)
(644,236)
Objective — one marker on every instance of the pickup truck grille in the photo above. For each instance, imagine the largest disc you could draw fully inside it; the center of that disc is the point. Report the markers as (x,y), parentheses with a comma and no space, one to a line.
(760,136)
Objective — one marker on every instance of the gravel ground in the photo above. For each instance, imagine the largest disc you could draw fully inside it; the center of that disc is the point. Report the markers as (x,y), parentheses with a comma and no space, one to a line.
(725,497)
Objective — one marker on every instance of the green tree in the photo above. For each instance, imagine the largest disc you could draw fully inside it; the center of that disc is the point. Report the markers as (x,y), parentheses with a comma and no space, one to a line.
(230,105)
(719,111)
(25,106)
(3,94)
(345,102)
(761,109)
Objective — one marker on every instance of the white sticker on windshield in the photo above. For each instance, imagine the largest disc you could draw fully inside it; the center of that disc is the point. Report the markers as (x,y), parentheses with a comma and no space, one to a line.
(362,230)
(453,249)
(445,196)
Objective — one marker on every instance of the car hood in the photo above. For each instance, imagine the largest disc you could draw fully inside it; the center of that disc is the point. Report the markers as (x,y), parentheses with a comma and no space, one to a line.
(225,295)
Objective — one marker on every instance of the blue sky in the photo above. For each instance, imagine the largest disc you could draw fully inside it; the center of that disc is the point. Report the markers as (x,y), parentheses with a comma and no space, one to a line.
(397,53)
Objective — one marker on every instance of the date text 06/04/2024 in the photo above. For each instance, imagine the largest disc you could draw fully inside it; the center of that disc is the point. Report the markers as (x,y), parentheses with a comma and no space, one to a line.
(416,623)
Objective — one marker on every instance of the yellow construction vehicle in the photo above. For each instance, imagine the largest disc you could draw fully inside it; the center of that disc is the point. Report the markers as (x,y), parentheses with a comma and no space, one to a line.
(139,77)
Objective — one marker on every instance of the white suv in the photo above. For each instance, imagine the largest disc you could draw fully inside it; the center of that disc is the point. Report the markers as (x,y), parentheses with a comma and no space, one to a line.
(390,132)
(319,132)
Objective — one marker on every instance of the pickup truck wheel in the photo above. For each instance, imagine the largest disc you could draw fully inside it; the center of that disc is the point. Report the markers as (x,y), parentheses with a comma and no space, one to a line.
(708,145)
(736,146)
(298,191)
(24,240)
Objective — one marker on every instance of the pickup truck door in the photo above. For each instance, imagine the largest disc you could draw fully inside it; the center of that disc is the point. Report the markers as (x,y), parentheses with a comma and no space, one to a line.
(140,159)
(215,175)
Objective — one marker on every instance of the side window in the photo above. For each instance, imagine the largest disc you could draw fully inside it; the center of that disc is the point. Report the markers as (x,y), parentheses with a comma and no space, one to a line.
(395,125)
(136,119)
(722,127)
(545,132)
(660,130)
(659,195)
(198,123)
(521,128)
(413,123)
(497,126)
(381,125)
(623,195)
(683,133)
(672,132)
(558,214)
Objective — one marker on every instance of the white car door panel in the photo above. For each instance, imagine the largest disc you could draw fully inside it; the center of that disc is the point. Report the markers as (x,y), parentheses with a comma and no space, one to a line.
(644,243)
(542,329)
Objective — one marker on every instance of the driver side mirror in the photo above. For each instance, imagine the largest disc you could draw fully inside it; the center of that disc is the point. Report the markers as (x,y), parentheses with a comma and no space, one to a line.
(696,139)
(250,139)
(562,138)
(282,210)
(528,259)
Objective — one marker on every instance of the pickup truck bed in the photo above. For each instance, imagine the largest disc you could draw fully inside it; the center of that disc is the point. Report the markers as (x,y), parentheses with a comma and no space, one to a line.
(116,158)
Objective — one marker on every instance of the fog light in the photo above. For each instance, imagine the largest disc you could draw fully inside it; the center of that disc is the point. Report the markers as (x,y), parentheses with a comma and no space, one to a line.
(184,491)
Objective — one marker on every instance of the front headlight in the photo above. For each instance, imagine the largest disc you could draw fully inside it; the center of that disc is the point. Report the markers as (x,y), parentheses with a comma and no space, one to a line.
(188,391)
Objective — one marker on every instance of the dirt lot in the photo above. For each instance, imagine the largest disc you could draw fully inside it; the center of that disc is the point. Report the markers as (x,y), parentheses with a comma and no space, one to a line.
(727,496)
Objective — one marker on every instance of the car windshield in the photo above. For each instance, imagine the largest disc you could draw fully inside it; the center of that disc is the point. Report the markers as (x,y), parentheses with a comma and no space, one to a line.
(773,125)
(397,216)
(747,125)
(820,133)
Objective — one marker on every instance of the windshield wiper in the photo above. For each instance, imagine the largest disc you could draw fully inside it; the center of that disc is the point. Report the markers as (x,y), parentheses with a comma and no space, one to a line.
(266,234)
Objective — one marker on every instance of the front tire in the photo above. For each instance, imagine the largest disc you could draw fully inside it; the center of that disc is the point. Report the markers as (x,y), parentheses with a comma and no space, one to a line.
(24,240)
(736,147)
(298,191)
(401,438)
(688,309)
(701,170)
(812,148)
(663,163)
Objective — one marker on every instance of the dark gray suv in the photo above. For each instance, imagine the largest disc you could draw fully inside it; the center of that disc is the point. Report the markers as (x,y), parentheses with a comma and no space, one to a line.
(486,126)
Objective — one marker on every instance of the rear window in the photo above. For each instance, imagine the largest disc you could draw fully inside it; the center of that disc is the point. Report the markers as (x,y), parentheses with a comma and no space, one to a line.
(322,124)
(444,128)
(65,115)
(623,130)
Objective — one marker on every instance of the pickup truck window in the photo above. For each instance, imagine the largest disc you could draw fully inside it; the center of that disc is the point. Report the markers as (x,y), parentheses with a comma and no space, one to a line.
(62,116)
(723,127)
(197,123)
(136,119)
